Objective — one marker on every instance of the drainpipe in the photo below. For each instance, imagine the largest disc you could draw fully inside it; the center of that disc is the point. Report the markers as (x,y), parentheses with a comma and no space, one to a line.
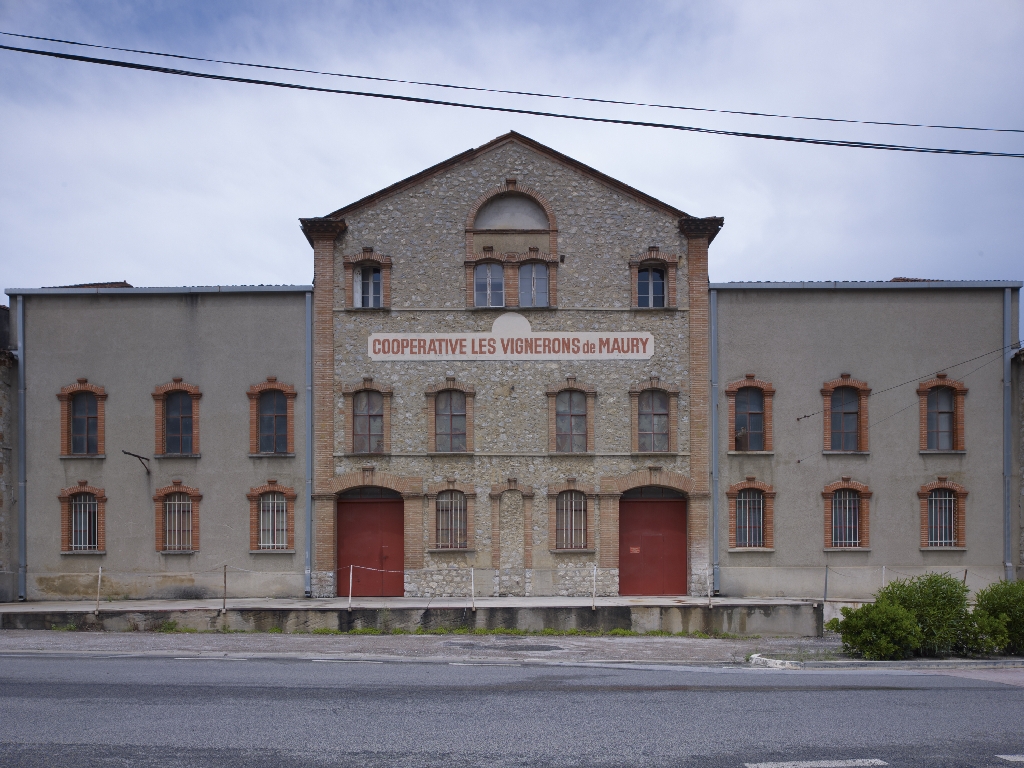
(1007,435)
(22,469)
(714,439)
(309,443)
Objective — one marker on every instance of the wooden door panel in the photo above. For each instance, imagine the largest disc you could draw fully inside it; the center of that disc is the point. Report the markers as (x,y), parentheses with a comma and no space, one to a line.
(652,547)
(371,542)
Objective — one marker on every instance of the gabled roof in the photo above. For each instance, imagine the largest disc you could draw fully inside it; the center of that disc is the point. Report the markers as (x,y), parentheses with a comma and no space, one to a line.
(536,146)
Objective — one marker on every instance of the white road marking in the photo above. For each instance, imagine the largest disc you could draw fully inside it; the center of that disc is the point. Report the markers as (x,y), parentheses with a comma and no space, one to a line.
(480,664)
(818,764)
(1012,758)
(207,658)
(346,661)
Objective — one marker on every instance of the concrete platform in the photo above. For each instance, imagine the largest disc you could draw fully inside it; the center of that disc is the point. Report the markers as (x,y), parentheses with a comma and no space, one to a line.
(749,616)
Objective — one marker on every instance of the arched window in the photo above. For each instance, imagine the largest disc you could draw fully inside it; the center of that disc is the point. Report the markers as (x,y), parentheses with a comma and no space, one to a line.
(489,284)
(533,285)
(845,518)
(84,522)
(450,421)
(571,422)
(178,420)
(650,289)
(571,520)
(942,522)
(84,423)
(368,422)
(273,521)
(750,518)
(367,287)
(273,422)
(451,520)
(941,422)
(177,522)
(845,419)
(750,419)
(652,426)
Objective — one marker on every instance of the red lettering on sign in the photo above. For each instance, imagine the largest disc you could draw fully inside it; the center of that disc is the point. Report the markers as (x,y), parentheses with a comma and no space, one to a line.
(575,346)
(376,347)
(602,344)
(644,343)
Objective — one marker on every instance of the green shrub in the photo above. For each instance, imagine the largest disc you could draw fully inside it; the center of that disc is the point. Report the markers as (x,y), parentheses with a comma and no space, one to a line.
(938,602)
(880,630)
(1006,598)
(275,630)
(326,631)
(620,632)
(988,633)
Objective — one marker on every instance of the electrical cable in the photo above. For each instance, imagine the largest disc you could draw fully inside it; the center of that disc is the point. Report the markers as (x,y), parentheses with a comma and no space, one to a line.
(589,99)
(511,110)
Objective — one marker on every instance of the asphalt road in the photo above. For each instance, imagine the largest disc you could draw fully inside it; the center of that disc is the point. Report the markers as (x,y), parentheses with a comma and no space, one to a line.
(156,711)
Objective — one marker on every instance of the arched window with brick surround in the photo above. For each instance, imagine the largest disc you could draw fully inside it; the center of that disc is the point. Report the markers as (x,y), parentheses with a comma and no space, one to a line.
(271,418)
(941,404)
(367,280)
(451,517)
(83,519)
(655,417)
(943,515)
(177,419)
(177,518)
(271,518)
(450,411)
(750,405)
(653,279)
(846,414)
(368,412)
(511,249)
(82,419)
(751,515)
(847,514)
(571,417)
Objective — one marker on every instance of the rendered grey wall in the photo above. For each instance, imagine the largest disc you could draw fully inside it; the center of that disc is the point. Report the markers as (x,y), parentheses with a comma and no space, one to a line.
(130,344)
(892,339)
(8,477)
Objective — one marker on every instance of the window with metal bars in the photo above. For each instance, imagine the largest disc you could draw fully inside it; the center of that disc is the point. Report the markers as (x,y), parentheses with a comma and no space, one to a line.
(571,422)
(571,520)
(84,522)
(845,518)
(533,285)
(940,419)
(273,422)
(368,422)
(750,518)
(652,427)
(84,423)
(450,421)
(451,520)
(489,280)
(942,518)
(178,423)
(749,419)
(650,288)
(178,522)
(845,419)
(273,521)
(366,287)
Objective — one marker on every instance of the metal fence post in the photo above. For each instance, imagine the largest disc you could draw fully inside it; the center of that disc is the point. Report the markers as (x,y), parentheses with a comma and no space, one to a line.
(472,588)
(593,601)
(350,567)
(825,598)
(99,580)
(224,599)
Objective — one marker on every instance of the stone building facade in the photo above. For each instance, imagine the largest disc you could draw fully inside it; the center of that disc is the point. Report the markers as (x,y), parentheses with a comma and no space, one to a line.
(8,497)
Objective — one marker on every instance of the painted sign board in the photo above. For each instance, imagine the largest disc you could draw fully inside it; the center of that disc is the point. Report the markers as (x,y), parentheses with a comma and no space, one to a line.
(512,338)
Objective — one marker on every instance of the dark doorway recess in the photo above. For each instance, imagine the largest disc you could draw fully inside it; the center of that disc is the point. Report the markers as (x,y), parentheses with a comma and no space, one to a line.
(652,542)
(371,537)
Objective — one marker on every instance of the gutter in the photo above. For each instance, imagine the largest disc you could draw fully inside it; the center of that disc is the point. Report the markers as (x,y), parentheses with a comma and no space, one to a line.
(22,469)
(309,443)
(714,440)
(1007,435)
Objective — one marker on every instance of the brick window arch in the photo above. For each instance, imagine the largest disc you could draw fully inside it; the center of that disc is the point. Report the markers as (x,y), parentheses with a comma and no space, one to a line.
(450,412)
(751,515)
(183,414)
(847,514)
(570,511)
(846,414)
(271,418)
(83,513)
(367,280)
(653,277)
(452,516)
(368,413)
(943,515)
(655,417)
(941,406)
(750,409)
(177,518)
(271,517)
(83,409)
(571,417)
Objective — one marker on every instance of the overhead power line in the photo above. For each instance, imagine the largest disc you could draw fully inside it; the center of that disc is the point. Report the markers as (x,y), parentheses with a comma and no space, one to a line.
(512,110)
(513,93)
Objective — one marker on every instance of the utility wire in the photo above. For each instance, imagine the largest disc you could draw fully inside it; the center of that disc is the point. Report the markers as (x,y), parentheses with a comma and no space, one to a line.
(513,93)
(511,110)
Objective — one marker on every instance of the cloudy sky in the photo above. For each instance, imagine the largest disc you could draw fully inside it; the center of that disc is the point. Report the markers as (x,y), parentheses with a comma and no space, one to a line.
(108,174)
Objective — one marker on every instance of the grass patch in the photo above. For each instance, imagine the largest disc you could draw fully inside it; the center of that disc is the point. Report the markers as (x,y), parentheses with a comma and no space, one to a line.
(169,627)
(620,632)
(364,631)
(327,631)
(275,631)
(69,627)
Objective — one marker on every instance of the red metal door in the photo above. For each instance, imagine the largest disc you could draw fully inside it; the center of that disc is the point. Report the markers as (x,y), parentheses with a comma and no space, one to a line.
(371,538)
(652,547)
